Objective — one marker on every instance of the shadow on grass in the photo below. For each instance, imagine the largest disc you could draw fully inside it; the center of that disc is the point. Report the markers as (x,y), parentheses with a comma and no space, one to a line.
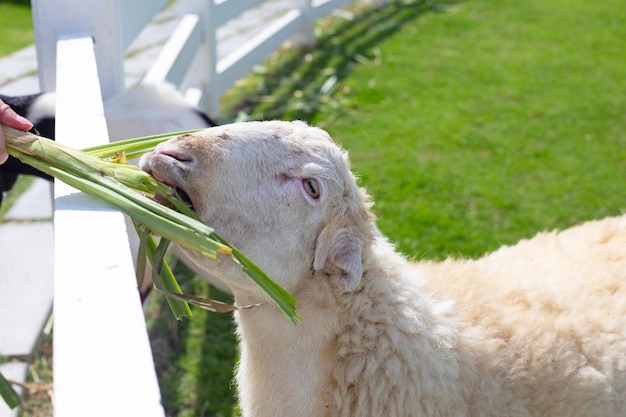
(300,83)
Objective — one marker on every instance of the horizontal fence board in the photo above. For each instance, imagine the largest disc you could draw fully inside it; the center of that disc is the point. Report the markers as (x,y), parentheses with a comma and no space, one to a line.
(135,15)
(178,53)
(226,10)
(241,61)
(205,88)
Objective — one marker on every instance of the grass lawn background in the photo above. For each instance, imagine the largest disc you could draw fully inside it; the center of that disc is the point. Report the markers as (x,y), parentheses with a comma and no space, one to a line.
(508,120)
(472,124)
(16,26)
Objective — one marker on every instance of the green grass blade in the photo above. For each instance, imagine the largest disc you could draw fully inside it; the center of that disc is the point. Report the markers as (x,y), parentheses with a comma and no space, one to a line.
(206,303)
(142,253)
(285,301)
(163,277)
(133,148)
(8,394)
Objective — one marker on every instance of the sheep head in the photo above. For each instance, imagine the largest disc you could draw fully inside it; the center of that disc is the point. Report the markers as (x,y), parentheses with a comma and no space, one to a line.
(281,192)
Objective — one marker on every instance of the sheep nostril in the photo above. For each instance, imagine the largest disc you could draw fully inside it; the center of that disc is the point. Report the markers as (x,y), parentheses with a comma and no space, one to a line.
(175,154)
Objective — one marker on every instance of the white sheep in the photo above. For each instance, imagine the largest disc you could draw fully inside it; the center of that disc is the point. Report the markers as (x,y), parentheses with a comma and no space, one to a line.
(537,329)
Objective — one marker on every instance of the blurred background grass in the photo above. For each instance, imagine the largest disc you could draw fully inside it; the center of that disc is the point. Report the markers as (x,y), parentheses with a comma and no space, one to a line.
(471,123)
(16,26)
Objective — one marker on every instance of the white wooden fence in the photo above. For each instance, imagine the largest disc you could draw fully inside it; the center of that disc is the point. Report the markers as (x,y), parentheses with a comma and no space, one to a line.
(189,52)
(102,359)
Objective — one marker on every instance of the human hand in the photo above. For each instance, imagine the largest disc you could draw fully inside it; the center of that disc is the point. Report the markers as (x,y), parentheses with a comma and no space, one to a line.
(10,118)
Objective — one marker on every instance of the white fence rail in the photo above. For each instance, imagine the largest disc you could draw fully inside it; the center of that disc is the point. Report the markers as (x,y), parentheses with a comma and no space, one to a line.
(189,52)
(102,359)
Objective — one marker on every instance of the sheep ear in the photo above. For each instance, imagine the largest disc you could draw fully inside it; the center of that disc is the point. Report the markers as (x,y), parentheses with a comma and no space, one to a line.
(338,254)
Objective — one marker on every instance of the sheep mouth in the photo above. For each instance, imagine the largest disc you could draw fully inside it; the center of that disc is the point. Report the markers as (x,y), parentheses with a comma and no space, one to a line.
(178,192)
(182,194)
(167,166)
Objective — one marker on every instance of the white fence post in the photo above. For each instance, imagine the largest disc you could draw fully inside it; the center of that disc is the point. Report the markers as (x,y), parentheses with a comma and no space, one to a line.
(100,19)
(218,74)
(305,36)
(212,96)
(172,63)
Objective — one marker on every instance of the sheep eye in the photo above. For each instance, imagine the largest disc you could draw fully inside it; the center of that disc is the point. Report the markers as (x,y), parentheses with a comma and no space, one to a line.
(312,187)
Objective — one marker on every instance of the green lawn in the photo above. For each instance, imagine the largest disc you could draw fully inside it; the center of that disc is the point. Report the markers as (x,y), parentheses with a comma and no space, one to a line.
(16,26)
(489,121)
